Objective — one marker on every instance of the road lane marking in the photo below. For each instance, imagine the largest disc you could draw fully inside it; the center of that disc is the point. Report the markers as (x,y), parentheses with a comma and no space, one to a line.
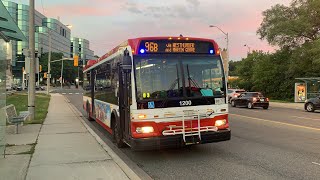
(306,118)
(288,124)
(316,163)
(70,93)
(64,93)
(77,93)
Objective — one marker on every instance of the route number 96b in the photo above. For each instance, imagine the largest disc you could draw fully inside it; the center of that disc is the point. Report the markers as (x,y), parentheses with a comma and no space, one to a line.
(185,103)
(151,47)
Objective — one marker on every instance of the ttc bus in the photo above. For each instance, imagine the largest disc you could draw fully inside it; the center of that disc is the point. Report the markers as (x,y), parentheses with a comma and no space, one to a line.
(159,92)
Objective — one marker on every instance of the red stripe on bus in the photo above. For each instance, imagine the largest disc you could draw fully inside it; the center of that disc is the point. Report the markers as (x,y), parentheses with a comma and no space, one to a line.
(104,126)
(160,126)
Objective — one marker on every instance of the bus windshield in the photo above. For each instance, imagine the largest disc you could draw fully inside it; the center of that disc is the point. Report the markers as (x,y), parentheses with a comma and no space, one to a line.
(175,77)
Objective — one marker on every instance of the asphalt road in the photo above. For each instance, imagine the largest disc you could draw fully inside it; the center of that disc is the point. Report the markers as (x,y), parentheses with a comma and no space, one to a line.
(277,143)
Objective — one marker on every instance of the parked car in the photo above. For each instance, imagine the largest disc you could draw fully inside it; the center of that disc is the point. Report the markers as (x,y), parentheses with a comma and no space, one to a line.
(312,104)
(234,93)
(19,88)
(40,88)
(250,100)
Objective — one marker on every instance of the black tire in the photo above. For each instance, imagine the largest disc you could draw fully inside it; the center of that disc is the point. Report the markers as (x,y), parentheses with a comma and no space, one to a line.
(250,105)
(88,113)
(117,134)
(265,107)
(310,107)
(233,104)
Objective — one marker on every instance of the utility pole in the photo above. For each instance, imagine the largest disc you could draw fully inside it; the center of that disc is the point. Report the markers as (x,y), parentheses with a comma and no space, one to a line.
(228,51)
(49,64)
(31,84)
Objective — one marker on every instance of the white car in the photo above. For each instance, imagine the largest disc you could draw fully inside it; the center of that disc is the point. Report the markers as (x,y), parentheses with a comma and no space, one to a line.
(234,93)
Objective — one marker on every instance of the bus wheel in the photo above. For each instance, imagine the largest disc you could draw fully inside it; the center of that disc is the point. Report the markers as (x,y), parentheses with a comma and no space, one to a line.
(117,134)
(88,113)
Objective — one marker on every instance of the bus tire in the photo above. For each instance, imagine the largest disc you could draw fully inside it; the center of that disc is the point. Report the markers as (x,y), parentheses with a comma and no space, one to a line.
(117,134)
(88,113)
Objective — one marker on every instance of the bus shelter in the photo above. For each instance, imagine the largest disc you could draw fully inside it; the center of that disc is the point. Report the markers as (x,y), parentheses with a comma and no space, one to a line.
(307,88)
(9,31)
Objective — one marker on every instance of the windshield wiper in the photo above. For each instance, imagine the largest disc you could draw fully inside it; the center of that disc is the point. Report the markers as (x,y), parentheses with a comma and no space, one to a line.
(190,80)
(173,84)
(194,83)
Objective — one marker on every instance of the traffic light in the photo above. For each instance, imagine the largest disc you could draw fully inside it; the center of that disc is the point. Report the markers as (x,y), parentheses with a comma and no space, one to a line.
(75,60)
(40,68)
(45,75)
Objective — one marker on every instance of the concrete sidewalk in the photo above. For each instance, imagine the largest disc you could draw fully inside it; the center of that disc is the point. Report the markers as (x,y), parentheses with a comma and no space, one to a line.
(67,150)
(299,106)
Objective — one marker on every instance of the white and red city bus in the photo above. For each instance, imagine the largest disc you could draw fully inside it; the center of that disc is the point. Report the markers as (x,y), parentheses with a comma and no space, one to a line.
(159,92)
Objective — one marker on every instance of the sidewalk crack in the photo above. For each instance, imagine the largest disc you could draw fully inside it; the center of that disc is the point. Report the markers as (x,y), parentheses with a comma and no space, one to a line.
(89,161)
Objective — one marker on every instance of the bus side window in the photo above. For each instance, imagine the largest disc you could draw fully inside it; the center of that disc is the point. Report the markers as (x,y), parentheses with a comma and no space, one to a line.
(86,84)
(112,91)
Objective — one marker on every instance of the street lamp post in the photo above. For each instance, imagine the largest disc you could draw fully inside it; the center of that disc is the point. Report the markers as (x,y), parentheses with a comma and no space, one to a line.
(49,63)
(49,60)
(227,38)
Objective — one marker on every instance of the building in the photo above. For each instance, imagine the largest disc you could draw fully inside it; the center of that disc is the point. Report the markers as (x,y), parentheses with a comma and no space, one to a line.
(61,41)
(81,47)
(9,31)
(45,27)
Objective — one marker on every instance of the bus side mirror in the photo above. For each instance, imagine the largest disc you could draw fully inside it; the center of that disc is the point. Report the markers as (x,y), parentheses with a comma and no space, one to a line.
(126,62)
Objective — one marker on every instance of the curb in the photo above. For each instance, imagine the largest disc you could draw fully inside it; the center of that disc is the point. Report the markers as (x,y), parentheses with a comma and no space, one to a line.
(286,106)
(125,168)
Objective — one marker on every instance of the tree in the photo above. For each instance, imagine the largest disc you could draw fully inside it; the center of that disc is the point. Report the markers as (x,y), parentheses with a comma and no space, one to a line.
(232,67)
(291,26)
(70,72)
(266,73)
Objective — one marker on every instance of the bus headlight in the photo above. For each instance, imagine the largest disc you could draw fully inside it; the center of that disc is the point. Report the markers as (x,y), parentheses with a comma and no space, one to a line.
(146,129)
(220,123)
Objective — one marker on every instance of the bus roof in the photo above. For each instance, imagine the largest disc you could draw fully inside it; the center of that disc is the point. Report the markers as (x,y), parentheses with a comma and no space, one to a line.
(90,63)
(135,42)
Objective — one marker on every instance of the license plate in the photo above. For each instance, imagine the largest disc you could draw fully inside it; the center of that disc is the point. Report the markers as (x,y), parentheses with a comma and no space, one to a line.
(219,101)
(262,100)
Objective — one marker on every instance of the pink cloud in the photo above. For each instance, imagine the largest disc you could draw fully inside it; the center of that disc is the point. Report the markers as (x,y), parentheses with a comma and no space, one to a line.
(77,11)
(84,8)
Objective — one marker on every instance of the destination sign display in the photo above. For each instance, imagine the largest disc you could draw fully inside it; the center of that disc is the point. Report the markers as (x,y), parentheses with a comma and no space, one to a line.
(176,46)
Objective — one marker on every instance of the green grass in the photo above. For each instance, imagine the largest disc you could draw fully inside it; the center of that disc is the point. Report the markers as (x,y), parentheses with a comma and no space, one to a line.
(31,151)
(20,101)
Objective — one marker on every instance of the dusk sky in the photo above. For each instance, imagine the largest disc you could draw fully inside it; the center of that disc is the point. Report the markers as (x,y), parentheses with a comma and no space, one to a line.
(107,23)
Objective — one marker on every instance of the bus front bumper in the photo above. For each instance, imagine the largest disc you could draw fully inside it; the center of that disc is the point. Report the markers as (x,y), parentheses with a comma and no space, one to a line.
(176,141)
